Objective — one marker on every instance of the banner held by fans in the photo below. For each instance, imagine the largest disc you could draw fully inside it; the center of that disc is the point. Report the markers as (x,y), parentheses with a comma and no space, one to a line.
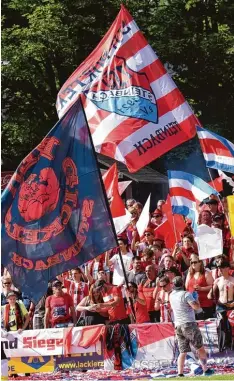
(134,109)
(55,212)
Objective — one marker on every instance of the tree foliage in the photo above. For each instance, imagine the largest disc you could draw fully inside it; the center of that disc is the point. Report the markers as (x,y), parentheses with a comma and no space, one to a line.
(44,41)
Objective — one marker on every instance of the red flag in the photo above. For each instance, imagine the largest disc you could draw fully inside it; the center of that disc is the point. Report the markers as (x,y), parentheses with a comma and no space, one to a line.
(217,184)
(134,109)
(110,179)
(167,233)
(176,227)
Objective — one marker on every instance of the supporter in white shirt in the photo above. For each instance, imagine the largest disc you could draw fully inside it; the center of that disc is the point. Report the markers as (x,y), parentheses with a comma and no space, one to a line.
(118,275)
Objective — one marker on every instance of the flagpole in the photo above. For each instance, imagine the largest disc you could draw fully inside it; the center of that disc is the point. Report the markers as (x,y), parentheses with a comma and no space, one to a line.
(216,189)
(174,227)
(108,208)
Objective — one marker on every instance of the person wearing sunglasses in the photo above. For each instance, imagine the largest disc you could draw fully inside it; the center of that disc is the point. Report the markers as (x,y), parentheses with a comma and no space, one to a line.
(8,286)
(157,218)
(147,288)
(147,241)
(59,308)
(200,280)
(162,301)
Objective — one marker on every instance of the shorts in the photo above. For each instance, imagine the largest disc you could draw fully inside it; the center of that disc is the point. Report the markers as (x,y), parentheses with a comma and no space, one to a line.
(187,334)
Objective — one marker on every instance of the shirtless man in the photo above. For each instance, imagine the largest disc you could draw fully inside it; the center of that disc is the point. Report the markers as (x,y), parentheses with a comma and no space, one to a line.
(224,287)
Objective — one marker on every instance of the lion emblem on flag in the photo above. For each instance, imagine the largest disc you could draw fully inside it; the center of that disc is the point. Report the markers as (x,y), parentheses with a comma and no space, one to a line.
(38,195)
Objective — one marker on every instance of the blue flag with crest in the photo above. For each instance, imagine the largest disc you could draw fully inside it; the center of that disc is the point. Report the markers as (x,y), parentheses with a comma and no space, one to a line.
(55,214)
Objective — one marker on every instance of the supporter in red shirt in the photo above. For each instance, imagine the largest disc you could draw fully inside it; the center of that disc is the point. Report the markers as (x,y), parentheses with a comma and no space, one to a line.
(200,280)
(147,288)
(139,304)
(147,258)
(183,253)
(59,308)
(113,303)
(156,247)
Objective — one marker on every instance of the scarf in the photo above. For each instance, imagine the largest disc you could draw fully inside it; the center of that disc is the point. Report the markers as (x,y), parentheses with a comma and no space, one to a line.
(18,315)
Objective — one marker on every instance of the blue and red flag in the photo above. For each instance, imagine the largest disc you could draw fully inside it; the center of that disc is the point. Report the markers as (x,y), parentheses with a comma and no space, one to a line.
(134,109)
(186,191)
(218,152)
(55,212)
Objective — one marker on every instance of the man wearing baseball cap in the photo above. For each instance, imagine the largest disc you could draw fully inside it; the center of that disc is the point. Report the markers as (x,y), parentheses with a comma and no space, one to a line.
(184,304)
(60,310)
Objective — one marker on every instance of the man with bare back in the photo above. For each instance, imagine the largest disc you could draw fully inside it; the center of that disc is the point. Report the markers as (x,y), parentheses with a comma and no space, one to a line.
(223,294)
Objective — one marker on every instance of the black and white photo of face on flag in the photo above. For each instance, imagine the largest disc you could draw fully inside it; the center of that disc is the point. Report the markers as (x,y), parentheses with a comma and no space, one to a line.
(228,183)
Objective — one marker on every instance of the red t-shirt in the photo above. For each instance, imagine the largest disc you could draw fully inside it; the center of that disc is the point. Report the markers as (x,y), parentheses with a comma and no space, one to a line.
(141,312)
(147,293)
(142,315)
(117,312)
(59,308)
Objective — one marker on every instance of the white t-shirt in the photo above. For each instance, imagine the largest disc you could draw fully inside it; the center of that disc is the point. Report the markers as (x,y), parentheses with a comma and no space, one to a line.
(118,276)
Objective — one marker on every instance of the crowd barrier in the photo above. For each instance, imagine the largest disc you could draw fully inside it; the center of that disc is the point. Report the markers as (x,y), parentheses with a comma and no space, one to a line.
(140,346)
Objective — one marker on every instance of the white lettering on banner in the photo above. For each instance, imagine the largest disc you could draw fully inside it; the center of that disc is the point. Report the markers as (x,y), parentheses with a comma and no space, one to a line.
(45,342)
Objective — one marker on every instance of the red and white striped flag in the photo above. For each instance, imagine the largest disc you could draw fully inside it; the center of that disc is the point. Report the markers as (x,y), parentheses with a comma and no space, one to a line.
(134,109)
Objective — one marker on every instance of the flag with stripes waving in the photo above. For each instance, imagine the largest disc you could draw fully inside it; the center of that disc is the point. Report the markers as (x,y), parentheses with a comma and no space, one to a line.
(134,109)
(218,152)
(186,191)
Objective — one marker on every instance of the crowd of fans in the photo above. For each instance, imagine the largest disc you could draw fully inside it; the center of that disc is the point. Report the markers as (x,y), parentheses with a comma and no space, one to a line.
(97,293)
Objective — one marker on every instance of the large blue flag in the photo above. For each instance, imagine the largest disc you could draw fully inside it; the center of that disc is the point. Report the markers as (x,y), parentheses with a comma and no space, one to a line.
(54,211)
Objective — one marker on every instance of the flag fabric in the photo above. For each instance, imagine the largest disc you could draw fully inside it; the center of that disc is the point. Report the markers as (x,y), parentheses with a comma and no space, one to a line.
(166,231)
(110,179)
(217,184)
(175,225)
(185,191)
(144,218)
(55,212)
(107,178)
(122,222)
(123,186)
(218,152)
(227,183)
(134,109)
